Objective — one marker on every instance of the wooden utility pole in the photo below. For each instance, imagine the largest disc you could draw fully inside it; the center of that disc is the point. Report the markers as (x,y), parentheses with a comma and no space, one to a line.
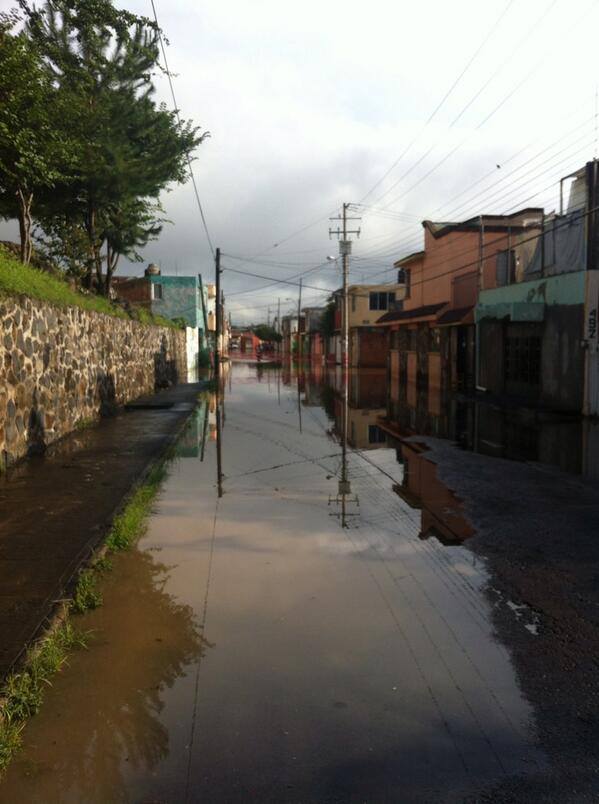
(218,317)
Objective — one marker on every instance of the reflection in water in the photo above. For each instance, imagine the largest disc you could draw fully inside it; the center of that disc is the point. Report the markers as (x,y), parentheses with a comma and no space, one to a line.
(442,516)
(113,719)
(568,442)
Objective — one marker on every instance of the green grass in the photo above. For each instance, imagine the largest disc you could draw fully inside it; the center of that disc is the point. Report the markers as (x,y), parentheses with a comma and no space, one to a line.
(22,693)
(130,524)
(19,279)
(87,595)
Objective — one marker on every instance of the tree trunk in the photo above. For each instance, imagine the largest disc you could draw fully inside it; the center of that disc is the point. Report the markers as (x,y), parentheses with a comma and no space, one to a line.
(25,200)
(112,259)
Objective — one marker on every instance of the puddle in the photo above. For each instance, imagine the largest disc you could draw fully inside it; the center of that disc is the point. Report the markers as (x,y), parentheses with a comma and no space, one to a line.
(254,649)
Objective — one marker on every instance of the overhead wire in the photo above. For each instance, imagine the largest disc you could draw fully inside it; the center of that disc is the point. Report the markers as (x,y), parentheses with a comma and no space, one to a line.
(442,101)
(176,110)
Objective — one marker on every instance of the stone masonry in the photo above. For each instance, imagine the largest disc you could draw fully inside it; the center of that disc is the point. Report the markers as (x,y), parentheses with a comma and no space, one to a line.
(62,367)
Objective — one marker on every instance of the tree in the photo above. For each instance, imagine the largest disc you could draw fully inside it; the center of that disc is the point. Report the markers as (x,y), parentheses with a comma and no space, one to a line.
(327,321)
(128,149)
(33,154)
(267,333)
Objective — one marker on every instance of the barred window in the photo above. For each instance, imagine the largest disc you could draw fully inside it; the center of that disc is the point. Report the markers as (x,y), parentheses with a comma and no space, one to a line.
(523,359)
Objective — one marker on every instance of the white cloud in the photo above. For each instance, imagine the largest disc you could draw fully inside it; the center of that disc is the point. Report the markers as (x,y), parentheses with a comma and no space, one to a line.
(310,103)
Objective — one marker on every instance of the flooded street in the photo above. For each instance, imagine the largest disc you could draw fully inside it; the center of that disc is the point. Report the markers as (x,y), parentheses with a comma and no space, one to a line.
(292,640)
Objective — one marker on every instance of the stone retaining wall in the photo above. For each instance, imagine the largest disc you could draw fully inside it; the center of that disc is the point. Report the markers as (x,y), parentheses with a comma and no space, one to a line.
(61,367)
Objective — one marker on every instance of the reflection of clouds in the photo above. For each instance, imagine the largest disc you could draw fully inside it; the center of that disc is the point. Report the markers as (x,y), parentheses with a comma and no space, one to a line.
(112,725)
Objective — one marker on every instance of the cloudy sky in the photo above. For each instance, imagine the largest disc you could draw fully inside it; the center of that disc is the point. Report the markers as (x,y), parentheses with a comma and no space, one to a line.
(421,110)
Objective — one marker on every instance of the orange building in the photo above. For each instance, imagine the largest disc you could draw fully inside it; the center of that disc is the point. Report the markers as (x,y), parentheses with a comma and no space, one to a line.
(432,338)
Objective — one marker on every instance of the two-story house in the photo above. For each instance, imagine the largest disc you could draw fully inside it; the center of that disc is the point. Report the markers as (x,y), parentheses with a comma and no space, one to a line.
(537,317)
(368,344)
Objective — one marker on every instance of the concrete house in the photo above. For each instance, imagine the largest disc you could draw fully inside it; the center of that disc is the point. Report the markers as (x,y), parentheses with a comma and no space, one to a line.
(432,337)
(174,297)
(368,344)
(537,316)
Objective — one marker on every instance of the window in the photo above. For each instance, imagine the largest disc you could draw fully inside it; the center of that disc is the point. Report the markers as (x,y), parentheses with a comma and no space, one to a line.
(434,340)
(381,300)
(523,359)
(156,290)
(407,282)
(353,302)
(376,435)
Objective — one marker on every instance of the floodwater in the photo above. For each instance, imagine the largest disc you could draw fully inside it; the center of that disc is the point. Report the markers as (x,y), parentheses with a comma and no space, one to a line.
(292,640)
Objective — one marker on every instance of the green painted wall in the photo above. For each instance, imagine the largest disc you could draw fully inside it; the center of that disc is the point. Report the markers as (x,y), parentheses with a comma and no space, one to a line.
(180,299)
(562,289)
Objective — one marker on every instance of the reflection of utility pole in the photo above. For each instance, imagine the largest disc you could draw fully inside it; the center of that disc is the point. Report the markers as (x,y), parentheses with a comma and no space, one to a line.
(345,251)
(344,493)
(299,402)
(219,438)
(279,325)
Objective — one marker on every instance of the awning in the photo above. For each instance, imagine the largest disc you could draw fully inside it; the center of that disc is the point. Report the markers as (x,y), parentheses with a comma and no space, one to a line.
(462,315)
(407,316)
(513,311)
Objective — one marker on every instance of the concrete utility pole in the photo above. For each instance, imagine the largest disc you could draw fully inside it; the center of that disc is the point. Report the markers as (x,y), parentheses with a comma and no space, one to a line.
(299,338)
(345,250)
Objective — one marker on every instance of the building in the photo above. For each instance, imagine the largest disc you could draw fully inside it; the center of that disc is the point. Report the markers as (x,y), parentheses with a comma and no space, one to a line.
(312,339)
(432,337)
(368,344)
(290,333)
(175,297)
(536,315)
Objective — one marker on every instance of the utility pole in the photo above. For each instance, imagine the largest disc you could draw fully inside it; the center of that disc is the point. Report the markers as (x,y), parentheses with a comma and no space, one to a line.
(299,337)
(345,250)
(279,324)
(344,488)
(221,334)
(218,317)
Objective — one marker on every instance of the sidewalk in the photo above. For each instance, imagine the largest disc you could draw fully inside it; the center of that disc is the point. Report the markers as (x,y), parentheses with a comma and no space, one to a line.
(55,509)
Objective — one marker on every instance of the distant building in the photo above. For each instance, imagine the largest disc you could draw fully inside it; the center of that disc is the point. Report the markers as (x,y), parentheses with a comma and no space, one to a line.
(368,344)
(291,331)
(174,297)
(313,341)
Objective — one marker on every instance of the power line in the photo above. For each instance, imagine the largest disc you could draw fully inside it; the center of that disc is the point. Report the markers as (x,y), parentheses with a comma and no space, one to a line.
(483,122)
(176,110)
(441,102)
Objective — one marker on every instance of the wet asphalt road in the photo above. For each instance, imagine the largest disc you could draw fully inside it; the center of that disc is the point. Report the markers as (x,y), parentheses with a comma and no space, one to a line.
(253,650)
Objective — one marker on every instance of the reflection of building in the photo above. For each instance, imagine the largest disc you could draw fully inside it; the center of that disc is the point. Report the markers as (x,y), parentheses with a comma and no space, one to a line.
(442,515)
(367,394)
(515,433)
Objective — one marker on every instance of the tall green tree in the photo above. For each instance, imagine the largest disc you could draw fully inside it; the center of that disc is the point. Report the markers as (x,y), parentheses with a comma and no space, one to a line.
(129,149)
(34,155)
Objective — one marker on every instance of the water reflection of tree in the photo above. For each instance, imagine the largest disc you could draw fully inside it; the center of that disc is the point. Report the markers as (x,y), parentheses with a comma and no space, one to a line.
(111,724)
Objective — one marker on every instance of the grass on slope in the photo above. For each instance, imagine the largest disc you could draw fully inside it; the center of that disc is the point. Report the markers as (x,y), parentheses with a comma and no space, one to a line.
(19,279)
